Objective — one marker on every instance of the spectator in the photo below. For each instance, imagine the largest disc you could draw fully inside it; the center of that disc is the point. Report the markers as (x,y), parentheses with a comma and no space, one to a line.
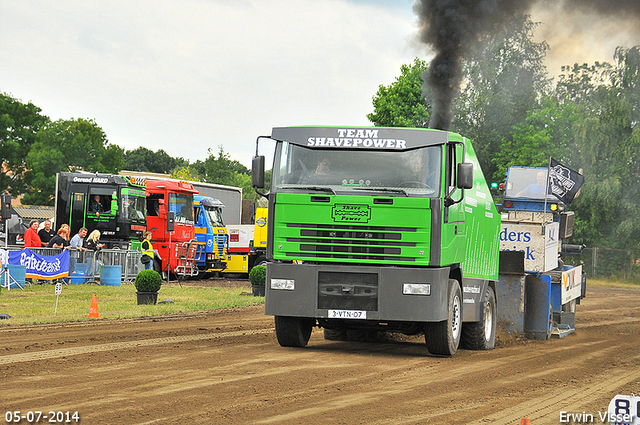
(61,240)
(31,238)
(46,233)
(77,242)
(147,251)
(77,245)
(93,243)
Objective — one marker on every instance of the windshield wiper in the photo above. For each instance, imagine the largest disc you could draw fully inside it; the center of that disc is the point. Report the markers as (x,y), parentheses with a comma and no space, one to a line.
(382,189)
(318,188)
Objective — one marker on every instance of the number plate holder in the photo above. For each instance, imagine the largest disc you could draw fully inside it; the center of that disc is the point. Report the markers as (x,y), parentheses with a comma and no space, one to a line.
(347,314)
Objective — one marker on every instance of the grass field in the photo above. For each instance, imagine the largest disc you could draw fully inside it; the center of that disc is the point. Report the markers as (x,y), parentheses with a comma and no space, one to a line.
(37,304)
(612,284)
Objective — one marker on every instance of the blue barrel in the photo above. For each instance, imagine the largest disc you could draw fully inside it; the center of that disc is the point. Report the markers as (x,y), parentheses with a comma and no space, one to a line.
(17,273)
(111,275)
(79,274)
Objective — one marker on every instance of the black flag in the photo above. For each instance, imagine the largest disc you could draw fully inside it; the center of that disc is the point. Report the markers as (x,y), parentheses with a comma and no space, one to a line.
(563,182)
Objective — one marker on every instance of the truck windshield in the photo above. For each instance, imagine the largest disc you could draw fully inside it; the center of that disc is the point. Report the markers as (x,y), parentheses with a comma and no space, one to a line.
(133,204)
(182,206)
(527,182)
(416,172)
(215,217)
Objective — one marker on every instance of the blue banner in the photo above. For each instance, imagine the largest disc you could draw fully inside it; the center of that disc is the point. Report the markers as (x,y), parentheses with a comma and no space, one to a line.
(41,267)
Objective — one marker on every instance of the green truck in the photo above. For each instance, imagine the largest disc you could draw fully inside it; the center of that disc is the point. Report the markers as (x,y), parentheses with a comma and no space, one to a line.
(375,229)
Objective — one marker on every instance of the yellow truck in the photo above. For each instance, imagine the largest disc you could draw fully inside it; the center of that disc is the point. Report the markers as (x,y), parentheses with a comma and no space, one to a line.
(247,244)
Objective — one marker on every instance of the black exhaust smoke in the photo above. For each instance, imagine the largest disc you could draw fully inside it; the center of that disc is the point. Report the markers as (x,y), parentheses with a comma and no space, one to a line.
(453,27)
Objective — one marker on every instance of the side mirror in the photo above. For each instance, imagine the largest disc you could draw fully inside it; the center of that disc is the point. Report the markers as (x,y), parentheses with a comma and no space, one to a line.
(257,171)
(465,175)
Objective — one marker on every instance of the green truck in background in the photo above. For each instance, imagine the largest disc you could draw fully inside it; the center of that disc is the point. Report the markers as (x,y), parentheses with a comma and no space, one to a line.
(375,229)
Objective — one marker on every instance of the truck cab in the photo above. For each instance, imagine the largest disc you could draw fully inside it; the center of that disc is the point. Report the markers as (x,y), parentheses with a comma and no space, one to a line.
(112,204)
(170,220)
(380,230)
(210,231)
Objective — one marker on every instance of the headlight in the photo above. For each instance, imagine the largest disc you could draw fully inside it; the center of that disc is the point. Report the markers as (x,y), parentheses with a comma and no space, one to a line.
(416,289)
(288,284)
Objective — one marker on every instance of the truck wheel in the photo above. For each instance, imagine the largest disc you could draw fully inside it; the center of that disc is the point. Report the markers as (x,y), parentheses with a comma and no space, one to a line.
(335,334)
(443,338)
(482,335)
(293,331)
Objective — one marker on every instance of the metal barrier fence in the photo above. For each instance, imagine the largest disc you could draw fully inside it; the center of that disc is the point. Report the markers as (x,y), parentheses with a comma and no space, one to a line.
(87,266)
(607,263)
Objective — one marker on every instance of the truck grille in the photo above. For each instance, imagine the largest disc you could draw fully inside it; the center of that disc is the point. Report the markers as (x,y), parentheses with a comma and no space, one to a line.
(351,242)
(220,243)
(348,291)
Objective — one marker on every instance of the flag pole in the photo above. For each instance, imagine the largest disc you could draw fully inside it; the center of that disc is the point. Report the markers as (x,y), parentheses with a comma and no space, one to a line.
(546,196)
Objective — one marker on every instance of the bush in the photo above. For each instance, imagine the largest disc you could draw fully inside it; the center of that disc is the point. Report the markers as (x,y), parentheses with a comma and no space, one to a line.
(148,281)
(258,275)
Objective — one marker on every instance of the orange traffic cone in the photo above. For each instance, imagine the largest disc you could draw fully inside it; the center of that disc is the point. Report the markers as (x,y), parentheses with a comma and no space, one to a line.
(524,421)
(93,311)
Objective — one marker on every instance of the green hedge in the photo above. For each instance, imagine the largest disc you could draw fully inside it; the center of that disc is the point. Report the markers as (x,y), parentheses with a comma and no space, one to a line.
(148,281)
(258,275)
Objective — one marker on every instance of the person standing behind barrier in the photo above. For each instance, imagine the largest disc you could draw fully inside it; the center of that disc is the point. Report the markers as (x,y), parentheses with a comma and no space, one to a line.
(147,251)
(77,245)
(77,242)
(31,238)
(93,243)
(46,233)
(61,240)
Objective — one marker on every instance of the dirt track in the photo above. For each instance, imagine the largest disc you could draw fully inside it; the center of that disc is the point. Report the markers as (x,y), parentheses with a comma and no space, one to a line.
(226,367)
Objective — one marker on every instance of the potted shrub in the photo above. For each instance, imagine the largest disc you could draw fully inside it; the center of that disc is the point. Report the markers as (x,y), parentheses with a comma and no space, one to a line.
(258,277)
(148,283)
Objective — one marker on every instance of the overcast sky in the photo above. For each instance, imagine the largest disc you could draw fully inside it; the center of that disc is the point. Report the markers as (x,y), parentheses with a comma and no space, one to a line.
(191,75)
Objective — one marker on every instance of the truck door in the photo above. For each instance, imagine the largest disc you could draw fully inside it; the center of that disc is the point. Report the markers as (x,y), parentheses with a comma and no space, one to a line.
(453,230)
(78,212)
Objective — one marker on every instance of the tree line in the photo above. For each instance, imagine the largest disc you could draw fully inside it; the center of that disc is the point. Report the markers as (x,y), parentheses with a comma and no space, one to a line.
(588,118)
(33,149)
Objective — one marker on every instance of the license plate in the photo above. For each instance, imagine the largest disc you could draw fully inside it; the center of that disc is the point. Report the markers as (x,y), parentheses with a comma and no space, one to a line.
(347,314)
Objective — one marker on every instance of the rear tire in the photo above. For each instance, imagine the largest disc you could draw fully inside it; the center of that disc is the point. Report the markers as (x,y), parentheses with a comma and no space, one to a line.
(443,338)
(293,331)
(482,335)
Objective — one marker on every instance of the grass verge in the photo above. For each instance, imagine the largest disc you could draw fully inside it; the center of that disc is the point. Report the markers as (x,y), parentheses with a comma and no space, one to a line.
(608,283)
(37,304)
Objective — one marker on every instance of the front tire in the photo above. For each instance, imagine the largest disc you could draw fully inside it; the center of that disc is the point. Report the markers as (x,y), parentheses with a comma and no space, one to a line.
(443,338)
(482,335)
(293,331)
